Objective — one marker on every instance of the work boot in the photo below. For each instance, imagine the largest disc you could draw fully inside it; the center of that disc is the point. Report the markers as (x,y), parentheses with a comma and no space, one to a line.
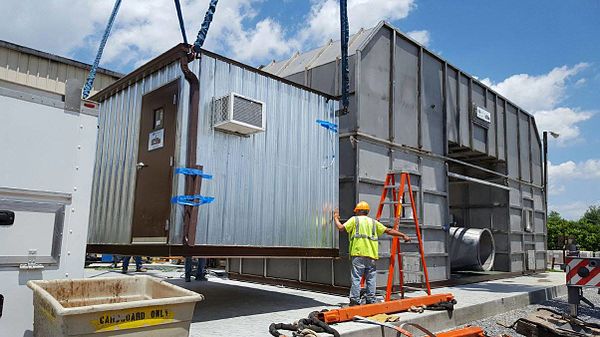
(141,270)
(353,303)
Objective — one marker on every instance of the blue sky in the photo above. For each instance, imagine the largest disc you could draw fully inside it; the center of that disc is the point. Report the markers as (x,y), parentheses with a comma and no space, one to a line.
(544,55)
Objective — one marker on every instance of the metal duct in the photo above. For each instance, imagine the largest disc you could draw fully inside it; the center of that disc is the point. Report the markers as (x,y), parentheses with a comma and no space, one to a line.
(471,249)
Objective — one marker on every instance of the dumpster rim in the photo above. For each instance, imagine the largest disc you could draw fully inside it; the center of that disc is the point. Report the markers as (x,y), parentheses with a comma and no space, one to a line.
(189,297)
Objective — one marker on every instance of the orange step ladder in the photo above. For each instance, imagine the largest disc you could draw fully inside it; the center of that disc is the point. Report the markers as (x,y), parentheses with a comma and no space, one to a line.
(398,201)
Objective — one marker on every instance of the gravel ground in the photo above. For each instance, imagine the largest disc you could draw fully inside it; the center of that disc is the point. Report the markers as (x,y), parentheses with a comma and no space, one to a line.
(490,325)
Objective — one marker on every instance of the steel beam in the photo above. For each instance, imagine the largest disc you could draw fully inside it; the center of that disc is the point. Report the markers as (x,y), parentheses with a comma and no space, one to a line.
(348,313)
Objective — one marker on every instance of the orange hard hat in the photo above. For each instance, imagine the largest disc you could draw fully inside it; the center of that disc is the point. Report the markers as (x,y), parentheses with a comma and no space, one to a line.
(362,206)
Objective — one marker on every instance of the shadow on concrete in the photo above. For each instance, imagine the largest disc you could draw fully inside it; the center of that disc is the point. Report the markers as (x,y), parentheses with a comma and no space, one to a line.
(506,287)
(228,301)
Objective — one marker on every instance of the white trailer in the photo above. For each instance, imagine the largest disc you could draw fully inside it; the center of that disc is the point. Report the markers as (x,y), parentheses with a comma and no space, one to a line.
(47,148)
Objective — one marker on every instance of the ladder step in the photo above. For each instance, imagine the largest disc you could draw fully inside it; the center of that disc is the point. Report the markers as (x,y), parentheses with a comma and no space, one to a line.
(412,272)
(413,239)
(415,288)
(404,204)
(391,220)
(411,254)
(389,187)
(412,173)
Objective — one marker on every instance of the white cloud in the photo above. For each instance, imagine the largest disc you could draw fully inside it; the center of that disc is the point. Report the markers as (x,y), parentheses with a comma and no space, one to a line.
(555,190)
(571,211)
(421,36)
(54,26)
(564,121)
(324,24)
(584,174)
(589,169)
(543,95)
(542,92)
(146,28)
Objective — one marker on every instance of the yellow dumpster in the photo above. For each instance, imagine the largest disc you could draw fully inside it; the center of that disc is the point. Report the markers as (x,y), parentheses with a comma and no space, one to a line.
(113,306)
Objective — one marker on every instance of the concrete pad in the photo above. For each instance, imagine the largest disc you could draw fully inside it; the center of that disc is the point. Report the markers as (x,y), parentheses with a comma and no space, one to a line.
(243,308)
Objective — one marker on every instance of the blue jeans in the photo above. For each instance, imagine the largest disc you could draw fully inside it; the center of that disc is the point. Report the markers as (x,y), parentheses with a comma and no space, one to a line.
(138,262)
(199,271)
(363,266)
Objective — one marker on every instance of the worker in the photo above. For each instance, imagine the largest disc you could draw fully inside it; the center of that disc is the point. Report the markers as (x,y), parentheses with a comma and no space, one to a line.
(200,271)
(363,233)
(138,264)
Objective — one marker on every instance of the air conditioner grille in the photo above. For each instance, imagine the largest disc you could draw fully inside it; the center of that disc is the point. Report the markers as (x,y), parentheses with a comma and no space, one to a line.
(221,110)
(247,111)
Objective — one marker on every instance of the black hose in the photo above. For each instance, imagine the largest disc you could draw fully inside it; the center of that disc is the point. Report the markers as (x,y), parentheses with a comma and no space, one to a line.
(274,327)
(312,323)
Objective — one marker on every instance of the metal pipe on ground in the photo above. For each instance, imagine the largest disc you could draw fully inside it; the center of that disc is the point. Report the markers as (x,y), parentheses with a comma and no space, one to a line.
(471,249)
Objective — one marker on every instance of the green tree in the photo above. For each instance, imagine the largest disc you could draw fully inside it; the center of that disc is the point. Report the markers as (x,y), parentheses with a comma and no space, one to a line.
(592,215)
(585,232)
(557,230)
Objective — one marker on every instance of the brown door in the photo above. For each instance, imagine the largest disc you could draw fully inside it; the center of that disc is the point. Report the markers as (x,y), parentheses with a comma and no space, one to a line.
(152,205)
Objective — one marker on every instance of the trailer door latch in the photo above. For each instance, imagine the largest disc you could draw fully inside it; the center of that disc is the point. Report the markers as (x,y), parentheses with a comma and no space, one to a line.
(31,262)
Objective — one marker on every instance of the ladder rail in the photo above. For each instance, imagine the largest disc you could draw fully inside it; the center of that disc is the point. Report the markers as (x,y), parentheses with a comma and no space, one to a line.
(420,238)
(398,202)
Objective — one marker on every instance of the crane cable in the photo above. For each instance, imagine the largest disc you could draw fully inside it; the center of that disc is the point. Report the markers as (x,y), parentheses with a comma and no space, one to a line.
(181,24)
(92,75)
(197,45)
(205,25)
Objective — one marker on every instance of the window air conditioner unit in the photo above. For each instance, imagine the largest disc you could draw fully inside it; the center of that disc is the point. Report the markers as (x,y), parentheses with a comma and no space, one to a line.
(238,114)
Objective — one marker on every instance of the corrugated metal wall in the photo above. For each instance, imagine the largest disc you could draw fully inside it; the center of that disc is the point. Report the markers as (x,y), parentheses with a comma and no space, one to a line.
(273,189)
(411,110)
(29,67)
(116,155)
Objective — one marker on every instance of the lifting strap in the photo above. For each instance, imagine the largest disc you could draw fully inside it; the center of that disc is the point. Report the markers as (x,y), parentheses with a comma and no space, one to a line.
(205,25)
(357,235)
(181,23)
(344,56)
(92,75)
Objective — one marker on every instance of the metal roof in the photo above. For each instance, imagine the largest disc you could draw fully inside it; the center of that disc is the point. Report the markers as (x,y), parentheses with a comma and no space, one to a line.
(174,54)
(319,56)
(47,72)
(56,58)
(299,62)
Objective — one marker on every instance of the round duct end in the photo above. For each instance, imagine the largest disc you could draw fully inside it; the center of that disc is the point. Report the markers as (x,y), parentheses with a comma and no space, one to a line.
(471,249)
(486,250)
